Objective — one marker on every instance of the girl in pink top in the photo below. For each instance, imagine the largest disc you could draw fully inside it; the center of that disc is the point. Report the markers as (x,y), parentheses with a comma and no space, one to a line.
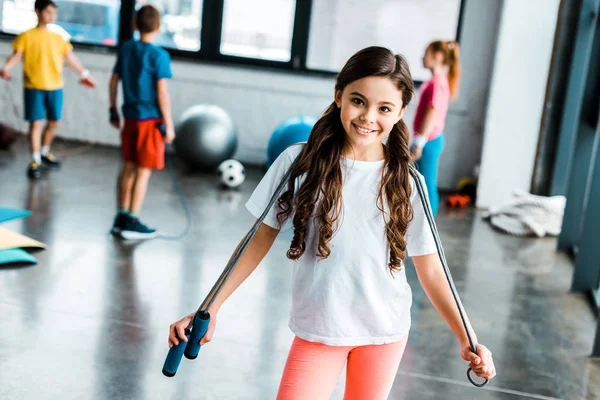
(442,59)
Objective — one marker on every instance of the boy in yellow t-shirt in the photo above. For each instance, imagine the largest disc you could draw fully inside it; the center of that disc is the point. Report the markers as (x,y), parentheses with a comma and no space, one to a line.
(43,53)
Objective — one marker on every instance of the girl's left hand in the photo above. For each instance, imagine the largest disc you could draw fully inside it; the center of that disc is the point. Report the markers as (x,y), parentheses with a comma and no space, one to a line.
(416,152)
(481,363)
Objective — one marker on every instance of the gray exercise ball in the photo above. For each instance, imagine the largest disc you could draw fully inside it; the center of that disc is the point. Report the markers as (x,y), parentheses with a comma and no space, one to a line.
(205,137)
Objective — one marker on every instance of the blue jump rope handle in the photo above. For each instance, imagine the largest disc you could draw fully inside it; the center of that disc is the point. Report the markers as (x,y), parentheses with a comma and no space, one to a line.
(191,348)
(174,357)
(201,321)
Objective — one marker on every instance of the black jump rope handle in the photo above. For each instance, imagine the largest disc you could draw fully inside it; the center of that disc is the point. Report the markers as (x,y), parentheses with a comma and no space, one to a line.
(482,384)
(163,130)
(189,349)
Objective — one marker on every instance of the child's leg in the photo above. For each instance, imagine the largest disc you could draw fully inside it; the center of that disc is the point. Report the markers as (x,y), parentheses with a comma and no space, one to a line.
(49,133)
(53,104)
(35,114)
(311,371)
(140,187)
(126,181)
(149,155)
(53,101)
(35,139)
(428,166)
(371,370)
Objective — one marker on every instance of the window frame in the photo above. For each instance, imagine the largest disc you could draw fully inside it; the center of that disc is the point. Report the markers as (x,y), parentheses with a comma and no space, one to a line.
(210,39)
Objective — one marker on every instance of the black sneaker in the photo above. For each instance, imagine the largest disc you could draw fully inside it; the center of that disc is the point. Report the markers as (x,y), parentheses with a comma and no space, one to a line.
(118,224)
(135,229)
(50,160)
(33,170)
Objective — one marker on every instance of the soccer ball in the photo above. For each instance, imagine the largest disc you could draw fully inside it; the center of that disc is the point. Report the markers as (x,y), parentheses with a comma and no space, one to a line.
(231,174)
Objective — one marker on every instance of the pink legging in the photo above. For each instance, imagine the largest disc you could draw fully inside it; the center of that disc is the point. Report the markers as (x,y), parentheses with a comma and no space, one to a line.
(312,370)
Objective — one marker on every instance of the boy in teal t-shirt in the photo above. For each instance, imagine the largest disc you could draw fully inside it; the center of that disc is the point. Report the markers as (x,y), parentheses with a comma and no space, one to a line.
(143,69)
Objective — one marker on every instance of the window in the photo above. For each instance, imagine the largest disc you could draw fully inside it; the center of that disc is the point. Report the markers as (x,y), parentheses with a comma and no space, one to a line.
(83,21)
(17,16)
(180,23)
(88,21)
(317,35)
(339,28)
(258,29)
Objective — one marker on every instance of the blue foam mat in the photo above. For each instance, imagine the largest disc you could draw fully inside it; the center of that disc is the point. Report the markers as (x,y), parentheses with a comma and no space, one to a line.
(6,214)
(10,256)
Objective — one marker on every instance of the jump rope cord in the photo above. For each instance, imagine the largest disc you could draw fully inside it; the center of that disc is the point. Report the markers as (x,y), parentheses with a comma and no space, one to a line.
(184,205)
(218,286)
(442,255)
(216,289)
(11,98)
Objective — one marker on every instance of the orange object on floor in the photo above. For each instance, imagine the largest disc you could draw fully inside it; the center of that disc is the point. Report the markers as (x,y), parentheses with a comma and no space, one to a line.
(458,200)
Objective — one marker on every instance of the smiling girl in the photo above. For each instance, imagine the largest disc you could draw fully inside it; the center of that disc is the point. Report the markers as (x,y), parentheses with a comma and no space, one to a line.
(356,218)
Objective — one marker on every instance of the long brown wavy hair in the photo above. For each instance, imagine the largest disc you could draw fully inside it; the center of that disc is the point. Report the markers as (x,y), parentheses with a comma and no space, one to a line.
(320,195)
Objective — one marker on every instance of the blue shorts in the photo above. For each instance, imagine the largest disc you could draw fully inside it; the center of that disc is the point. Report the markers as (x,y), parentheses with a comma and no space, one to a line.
(43,104)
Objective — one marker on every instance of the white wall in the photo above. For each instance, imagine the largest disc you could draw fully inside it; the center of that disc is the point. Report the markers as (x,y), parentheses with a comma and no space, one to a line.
(259,100)
(512,125)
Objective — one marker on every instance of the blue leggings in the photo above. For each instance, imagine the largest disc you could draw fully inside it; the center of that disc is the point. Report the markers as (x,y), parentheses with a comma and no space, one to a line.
(428,166)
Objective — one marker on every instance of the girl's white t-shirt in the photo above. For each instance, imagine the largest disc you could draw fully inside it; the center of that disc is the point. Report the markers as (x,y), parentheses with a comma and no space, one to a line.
(349,298)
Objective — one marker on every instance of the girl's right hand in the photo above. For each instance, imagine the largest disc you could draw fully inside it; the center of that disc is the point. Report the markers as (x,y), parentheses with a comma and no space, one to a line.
(179,328)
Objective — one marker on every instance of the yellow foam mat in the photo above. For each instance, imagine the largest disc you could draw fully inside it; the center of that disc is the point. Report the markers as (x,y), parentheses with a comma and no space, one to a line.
(12,240)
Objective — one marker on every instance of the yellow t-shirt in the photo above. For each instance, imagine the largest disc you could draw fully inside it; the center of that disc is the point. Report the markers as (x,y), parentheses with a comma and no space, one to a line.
(43,54)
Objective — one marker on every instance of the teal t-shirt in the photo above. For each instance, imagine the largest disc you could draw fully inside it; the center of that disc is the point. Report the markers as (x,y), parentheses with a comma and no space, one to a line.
(140,65)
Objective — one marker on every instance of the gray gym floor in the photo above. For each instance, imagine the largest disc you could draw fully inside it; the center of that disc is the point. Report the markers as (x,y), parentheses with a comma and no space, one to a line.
(90,321)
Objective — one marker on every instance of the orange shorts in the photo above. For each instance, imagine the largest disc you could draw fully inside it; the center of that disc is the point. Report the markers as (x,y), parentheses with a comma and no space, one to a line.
(143,144)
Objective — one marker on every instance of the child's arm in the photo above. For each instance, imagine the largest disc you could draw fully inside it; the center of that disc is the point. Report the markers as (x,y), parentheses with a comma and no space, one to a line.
(164,103)
(75,65)
(11,61)
(423,132)
(257,249)
(428,122)
(433,279)
(113,87)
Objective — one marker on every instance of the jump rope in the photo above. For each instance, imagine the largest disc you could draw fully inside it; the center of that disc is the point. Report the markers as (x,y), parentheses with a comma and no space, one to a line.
(198,326)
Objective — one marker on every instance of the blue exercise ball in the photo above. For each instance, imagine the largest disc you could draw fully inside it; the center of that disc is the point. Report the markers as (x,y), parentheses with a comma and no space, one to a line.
(205,137)
(293,130)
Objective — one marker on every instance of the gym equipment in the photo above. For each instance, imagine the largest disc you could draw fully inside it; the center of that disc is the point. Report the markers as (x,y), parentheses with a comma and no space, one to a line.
(16,256)
(199,324)
(232,174)
(6,214)
(13,240)
(206,136)
(293,130)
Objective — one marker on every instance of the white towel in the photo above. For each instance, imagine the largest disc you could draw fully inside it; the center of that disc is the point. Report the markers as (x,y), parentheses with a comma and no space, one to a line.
(527,214)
